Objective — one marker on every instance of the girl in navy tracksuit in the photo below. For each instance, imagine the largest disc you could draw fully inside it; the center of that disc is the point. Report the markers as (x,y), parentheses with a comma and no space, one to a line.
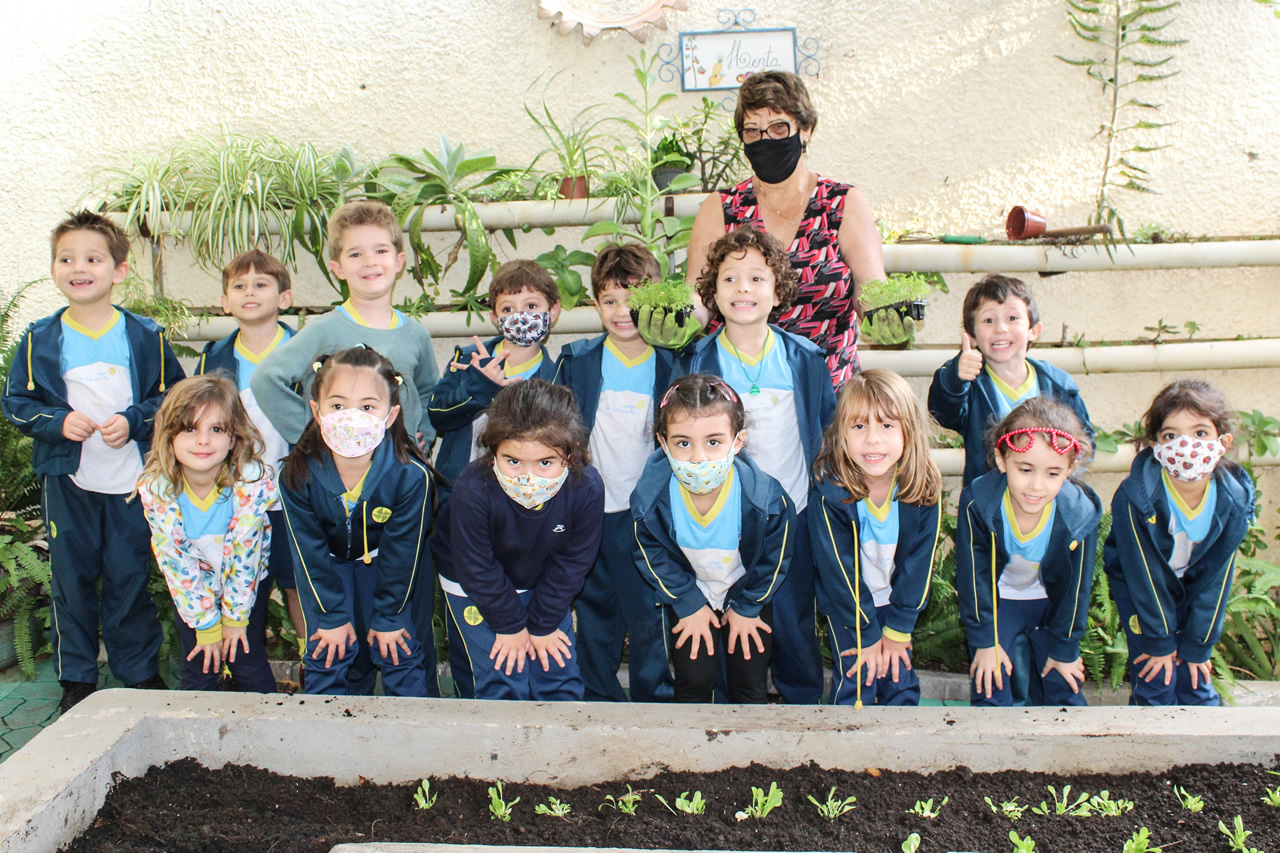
(874,528)
(357,496)
(713,534)
(1025,548)
(515,542)
(1177,522)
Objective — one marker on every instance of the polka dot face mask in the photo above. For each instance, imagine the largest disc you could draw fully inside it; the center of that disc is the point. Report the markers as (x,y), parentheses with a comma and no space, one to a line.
(1189,459)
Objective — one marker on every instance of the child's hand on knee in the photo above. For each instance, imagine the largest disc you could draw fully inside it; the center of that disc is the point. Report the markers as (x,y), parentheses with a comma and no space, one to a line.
(333,641)
(510,650)
(1072,673)
(870,657)
(390,643)
(744,629)
(212,656)
(1201,673)
(77,426)
(698,627)
(1156,664)
(990,665)
(895,658)
(233,637)
(550,646)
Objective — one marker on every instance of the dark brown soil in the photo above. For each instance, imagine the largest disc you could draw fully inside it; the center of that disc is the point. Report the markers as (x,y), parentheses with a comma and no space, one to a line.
(184,807)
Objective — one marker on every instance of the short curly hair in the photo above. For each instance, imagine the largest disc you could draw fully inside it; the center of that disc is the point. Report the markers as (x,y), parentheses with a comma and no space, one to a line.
(780,91)
(737,242)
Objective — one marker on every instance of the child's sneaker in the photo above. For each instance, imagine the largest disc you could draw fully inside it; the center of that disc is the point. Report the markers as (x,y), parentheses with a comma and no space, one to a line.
(155,682)
(73,693)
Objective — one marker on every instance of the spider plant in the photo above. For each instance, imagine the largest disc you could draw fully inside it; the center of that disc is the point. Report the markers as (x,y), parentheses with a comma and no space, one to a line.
(575,141)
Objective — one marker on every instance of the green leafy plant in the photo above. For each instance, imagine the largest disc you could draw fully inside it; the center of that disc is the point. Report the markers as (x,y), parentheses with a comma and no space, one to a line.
(627,803)
(1009,808)
(1237,836)
(1191,802)
(1140,842)
(1109,441)
(1064,805)
(1260,433)
(761,803)
(560,262)
(499,808)
(912,843)
(1158,332)
(423,796)
(1272,797)
(1251,629)
(1192,327)
(577,142)
(447,177)
(1124,33)
(684,803)
(554,808)
(925,808)
(895,289)
(706,141)
(1022,845)
(833,807)
(1102,804)
(939,639)
(671,294)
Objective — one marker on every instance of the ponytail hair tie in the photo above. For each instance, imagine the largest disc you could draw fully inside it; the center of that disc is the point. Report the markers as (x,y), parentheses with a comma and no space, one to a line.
(399,379)
(316,365)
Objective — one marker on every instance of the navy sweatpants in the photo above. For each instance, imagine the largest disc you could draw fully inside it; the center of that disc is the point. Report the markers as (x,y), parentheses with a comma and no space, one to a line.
(797,660)
(94,536)
(1015,618)
(616,603)
(1155,691)
(883,691)
(251,670)
(355,674)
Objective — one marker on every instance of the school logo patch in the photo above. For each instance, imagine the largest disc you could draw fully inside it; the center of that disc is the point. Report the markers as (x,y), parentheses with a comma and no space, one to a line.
(1133,624)
(472,615)
(381,514)
(53,530)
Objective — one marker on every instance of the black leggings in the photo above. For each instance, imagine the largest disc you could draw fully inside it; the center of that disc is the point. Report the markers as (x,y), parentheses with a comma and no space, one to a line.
(747,679)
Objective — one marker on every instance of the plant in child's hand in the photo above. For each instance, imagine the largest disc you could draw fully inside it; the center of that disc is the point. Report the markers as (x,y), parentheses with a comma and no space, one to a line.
(1190,802)
(1140,842)
(833,808)
(1022,845)
(553,807)
(499,808)
(1009,808)
(761,803)
(912,843)
(1103,804)
(1237,836)
(1064,805)
(627,803)
(423,797)
(685,803)
(924,808)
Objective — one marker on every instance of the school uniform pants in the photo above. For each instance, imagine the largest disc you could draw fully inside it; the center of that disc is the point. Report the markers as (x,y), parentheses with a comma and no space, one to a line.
(883,690)
(616,603)
(797,660)
(474,638)
(746,680)
(354,674)
(280,557)
(1015,617)
(1155,691)
(251,670)
(95,537)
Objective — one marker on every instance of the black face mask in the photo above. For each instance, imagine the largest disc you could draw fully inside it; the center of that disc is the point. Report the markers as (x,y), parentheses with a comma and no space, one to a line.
(774,160)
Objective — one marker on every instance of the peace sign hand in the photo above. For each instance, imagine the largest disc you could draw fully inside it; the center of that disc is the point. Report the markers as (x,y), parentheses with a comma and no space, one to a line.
(493,366)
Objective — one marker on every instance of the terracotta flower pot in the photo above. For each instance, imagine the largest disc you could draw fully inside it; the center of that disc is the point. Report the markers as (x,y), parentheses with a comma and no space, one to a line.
(575,187)
(1023,224)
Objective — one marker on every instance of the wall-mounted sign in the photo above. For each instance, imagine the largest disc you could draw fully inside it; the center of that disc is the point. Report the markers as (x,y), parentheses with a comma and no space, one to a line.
(722,60)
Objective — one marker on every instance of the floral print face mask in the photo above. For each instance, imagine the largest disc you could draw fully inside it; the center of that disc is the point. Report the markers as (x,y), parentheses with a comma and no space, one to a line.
(525,328)
(1189,459)
(699,478)
(352,432)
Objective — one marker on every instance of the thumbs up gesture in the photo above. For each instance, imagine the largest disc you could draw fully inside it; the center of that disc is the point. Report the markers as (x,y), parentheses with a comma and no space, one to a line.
(970,363)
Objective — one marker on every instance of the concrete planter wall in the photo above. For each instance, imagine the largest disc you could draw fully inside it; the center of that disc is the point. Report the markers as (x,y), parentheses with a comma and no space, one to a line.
(52,788)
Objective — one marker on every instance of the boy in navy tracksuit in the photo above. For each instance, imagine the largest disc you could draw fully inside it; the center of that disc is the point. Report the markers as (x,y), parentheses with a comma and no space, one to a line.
(85,383)
(255,288)
(524,304)
(616,378)
(785,387)
(992,373)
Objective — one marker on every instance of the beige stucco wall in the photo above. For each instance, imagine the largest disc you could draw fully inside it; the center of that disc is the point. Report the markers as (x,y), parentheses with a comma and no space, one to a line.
(944,114)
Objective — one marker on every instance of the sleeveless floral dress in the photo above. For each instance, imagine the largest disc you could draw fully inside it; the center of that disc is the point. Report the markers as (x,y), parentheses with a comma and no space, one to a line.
(823,310)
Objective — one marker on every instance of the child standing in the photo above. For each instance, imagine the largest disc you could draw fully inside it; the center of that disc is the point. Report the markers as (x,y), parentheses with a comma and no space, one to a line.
(517,537)
(358,508)
(205,493)
(1025,548)
(85,384)
(785,388)
(875,531)
(255,288)
(713,534)
(992,373)
(1177,522)
(616,378)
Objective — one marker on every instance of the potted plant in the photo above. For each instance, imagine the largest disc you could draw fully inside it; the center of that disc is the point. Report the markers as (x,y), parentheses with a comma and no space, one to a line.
(894,305)
(672,295)
(708,141)
(670,160)
(576,142)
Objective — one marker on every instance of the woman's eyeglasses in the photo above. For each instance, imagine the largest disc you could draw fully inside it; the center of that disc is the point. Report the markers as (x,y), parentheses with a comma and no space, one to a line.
(777,130)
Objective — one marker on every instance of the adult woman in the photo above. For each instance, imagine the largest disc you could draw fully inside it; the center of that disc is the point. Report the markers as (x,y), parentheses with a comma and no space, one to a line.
(826,226)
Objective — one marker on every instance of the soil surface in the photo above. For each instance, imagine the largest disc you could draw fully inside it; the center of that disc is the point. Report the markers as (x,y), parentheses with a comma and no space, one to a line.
(185,807)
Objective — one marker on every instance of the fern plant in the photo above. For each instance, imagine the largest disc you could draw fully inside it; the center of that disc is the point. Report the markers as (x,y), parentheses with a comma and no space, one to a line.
(1129,53)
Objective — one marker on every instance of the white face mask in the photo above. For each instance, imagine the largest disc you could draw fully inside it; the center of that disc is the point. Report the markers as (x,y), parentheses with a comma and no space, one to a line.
(1189,459)
(527,490)
(352,432)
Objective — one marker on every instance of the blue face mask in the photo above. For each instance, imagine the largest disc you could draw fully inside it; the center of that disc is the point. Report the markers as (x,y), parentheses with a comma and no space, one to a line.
(525,328)
(699,478)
